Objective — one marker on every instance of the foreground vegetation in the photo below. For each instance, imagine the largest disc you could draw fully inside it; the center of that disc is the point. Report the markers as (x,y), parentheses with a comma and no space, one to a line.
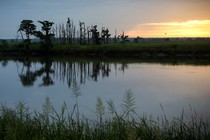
(48,124)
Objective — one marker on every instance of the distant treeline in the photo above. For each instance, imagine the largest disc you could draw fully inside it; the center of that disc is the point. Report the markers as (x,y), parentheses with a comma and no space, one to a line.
(66,33)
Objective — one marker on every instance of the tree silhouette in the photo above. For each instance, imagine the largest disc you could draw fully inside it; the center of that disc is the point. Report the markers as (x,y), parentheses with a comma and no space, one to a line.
(82,32)
(105,35)
(70,30)
(124,37)
(29,28)
(46,35)
(95,35)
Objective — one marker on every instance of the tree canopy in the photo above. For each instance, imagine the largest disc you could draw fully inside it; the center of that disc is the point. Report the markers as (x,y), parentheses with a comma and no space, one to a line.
(29,28)
(46,36)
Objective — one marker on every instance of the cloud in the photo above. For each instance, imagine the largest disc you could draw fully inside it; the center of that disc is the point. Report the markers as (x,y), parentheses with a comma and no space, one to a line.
(186,23)
(190,28)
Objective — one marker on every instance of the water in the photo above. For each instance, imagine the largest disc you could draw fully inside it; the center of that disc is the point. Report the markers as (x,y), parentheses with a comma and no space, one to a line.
(176,87)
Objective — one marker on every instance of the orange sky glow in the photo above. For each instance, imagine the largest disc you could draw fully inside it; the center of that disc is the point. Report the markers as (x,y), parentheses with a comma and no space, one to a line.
(190,28)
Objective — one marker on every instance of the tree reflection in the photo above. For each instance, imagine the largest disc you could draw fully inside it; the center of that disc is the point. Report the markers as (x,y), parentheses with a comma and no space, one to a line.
(4,63)
(29,75)
(65,71)
(81,71)
(104,68)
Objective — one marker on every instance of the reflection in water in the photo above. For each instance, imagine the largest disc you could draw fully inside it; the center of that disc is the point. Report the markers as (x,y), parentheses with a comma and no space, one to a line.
(65,71)
(4,63)
(29,76)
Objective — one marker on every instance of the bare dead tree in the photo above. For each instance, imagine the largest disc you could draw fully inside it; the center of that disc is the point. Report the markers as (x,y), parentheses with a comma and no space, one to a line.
(63,33)
(69,31)
(82,32)
(60,33)
(115,36)
(88,34)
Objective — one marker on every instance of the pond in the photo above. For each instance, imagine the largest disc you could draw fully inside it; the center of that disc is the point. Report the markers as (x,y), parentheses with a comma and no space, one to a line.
(175,86)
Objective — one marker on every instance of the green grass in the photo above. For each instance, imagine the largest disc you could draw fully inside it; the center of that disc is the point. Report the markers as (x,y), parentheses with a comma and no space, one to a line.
(151,48)
(48,124)
(169,48)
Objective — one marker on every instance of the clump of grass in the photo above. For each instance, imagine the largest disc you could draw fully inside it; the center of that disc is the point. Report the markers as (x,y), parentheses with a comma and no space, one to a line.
(20,123)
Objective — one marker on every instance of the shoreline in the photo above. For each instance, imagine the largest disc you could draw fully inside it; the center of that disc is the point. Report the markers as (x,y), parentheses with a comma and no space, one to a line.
(162,49)
(102,54)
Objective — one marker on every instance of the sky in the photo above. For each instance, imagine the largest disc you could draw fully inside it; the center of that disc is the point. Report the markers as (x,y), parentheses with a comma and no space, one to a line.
(143,18)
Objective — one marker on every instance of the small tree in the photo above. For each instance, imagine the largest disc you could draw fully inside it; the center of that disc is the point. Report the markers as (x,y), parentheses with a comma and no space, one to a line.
(105,35)
(95,35)
(124,37)
(45,36)
(29,28)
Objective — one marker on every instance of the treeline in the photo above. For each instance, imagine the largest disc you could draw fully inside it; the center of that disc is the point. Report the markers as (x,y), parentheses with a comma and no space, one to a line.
(66,33)
(84,34)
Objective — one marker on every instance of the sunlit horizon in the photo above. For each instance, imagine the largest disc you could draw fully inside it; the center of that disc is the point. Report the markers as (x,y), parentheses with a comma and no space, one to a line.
(190,28)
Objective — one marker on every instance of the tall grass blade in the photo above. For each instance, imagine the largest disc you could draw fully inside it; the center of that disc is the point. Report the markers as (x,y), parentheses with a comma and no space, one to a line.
(100,108)
(128,104)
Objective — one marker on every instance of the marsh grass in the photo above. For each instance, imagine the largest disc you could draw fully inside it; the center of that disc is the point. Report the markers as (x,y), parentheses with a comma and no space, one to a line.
(126,124)
(153,48)
(148,48)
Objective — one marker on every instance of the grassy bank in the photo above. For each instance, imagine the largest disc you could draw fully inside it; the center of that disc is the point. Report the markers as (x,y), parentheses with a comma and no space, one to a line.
(152,48)
(48,124)
(146,49)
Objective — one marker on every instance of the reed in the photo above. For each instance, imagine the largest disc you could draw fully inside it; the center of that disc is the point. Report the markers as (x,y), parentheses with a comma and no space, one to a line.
(126,124)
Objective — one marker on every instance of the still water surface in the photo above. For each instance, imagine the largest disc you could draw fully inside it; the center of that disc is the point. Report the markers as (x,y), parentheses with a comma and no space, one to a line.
(175,87)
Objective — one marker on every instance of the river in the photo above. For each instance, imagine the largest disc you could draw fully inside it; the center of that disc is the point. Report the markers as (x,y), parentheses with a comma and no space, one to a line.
(158,87)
